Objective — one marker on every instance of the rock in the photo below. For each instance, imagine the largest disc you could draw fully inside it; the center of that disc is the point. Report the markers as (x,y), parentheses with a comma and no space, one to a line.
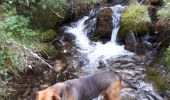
(136,44)
(128,95)
(1,1)
(67,48)
(120,1)
(115,1)
(130,42)
(156,2)
(152,10)
(59,65)
(104,24)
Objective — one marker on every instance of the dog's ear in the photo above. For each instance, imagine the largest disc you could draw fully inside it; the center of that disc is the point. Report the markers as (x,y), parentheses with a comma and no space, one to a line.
(56,96)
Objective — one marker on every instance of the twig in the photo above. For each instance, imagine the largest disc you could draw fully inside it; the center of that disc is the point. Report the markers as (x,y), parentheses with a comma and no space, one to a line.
(34,55)
(4,82)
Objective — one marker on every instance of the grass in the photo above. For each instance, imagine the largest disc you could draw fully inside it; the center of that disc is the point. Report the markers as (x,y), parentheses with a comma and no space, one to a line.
(135,18)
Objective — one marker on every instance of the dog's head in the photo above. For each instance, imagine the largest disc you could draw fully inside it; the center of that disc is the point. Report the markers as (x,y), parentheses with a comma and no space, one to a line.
(47,94)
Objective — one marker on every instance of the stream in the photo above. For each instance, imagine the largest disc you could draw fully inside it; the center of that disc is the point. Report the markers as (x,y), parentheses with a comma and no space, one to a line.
(97,56)
(82,56)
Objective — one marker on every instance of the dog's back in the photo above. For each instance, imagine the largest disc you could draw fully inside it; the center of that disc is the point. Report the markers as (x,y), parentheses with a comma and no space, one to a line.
(88,87)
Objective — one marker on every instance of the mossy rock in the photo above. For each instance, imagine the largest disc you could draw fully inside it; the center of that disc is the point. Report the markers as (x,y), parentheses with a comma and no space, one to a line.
(104,24)
(135,18)
(48,36)
(48,51)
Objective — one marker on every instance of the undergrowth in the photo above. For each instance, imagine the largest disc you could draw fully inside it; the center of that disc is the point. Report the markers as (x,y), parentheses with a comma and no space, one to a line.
(166,58)
(14,29)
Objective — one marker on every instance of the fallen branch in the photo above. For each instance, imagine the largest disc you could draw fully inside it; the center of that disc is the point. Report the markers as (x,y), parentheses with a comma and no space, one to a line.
(33,54)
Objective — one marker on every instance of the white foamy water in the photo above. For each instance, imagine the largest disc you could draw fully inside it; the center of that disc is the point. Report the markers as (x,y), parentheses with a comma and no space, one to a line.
(96,51)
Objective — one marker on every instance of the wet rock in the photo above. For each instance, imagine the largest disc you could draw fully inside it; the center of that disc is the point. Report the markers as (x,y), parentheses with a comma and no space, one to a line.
(115,1)
(120,1)
(136,44)
(59,65)
(104,24)
(128,95)
(67,48)
(130,42)
(156,2)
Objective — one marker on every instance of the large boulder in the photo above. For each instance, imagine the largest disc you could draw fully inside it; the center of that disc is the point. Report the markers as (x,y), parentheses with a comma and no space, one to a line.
(104,24)
(135,44)
(135,18)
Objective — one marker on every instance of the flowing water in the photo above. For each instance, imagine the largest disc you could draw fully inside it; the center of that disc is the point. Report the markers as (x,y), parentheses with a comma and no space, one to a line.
(95,52)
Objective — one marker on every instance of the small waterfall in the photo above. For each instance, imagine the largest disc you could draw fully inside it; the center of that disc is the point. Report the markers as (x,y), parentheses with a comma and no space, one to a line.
(116,20)
(97,51)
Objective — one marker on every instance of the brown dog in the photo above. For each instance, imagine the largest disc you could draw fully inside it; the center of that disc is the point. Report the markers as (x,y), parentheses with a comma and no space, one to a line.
(107,83)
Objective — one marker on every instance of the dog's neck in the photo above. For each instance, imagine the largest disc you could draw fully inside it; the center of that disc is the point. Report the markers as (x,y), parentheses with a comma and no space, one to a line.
(59,87)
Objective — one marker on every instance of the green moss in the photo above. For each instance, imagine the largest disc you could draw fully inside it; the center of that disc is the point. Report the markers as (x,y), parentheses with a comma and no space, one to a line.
(135,18)
(48,51)
(49,35)
(159,81)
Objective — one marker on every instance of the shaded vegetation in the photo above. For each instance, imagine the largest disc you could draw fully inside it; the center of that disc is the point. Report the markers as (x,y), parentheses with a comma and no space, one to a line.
(22,26)
(166,58)
(14,29)
(160,82)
